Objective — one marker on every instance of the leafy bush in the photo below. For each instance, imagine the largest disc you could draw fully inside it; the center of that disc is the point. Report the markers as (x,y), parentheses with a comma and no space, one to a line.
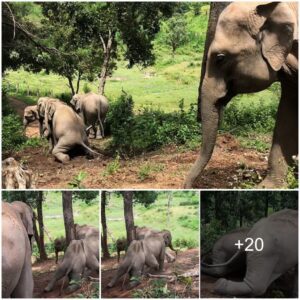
(150,128)
(188,222)
(12,133)
(185,243)
(86,88)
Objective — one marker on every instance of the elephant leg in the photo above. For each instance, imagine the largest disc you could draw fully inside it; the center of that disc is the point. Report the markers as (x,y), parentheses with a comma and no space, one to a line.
(92,263)
(59,273)
(100,132)
(59,152)
(74,282)
(24,288)
(285,139)
(123,268)
(118,255)
(151,262)
(232,288)
(170,258)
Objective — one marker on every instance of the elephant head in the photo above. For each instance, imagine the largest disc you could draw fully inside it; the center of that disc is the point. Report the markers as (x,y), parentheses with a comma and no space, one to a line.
(250,46)
(30,114)
(166,234)
(76,103)
(26,215)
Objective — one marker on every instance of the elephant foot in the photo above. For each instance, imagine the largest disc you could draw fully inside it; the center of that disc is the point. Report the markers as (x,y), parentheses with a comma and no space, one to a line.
(72,288)
(48,289)
(220,286)
(63,158)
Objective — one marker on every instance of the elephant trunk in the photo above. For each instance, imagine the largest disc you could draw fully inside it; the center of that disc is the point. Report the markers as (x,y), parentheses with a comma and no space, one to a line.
(210,116)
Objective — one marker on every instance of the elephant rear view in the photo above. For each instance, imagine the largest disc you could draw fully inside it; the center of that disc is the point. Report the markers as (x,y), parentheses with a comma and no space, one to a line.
(17,280)
(93,109)
(279,254)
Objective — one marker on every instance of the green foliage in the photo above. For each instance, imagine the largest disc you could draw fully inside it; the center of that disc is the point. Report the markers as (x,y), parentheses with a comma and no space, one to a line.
(291,179)
(149,129)
(185,243)
(188,222)
(113,167)
(86,88)
(87,196)
(76,182)
(12,133)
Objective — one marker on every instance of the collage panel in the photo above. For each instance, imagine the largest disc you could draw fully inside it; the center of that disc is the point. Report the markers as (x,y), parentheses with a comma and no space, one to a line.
(150,244)
(50,244)
(249,244)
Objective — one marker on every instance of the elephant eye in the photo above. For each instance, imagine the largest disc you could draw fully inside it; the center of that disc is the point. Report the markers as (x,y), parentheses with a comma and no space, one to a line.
(220,58)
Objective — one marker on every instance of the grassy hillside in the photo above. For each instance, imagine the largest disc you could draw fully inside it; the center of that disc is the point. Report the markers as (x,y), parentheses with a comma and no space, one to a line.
(183,224)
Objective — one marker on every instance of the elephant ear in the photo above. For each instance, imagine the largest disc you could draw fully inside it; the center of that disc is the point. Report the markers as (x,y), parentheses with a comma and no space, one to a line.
(78,106)
(26,215)
(50,110)
(276,33)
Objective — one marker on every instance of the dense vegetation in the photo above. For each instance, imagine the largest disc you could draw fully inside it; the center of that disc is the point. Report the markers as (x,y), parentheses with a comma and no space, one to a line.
(224,211)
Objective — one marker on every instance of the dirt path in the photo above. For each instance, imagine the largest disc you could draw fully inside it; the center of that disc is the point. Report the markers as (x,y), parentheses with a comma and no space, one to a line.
(185,261)
(43,272)
(165,168)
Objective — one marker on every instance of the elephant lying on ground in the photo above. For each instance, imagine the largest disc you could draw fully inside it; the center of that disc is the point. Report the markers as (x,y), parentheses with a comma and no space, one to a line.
(17,280)
(59,246)
(64,128)
(224,250)
(149,252)
(255,45)
(80,254)
(279,233)
(142,232)
(92,108)
(121,245)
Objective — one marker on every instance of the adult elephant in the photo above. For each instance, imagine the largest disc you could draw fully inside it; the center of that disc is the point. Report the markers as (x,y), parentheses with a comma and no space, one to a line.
(93,109)
(254,46)
(279,254)
(17,280)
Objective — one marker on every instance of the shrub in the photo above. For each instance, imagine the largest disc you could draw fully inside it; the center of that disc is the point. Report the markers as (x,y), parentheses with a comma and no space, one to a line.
(12,133)
(185,243)
(86,88)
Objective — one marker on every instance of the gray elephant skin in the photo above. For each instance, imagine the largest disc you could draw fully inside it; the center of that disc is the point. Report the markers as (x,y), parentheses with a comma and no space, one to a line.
(82,254)
(149,252)
(30,115)
(64,128)
(224,250)
(254,46)
(93,109)
(59,246)
(121,245)
(279,232)
(17,280)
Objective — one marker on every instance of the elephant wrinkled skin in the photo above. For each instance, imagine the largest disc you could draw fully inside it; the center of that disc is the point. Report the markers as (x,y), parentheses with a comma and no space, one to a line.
(17,280)
(254,46)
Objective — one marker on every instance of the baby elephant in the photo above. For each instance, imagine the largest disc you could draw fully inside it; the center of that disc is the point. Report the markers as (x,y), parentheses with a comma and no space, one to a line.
(30,115)
(121,245)
(148,252)
(59,246)
(79,255)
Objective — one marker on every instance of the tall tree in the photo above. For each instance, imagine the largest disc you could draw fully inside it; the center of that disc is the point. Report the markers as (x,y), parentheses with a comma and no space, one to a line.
(215,10)
(128,214)
(104,245)
(68,216)
(41,242)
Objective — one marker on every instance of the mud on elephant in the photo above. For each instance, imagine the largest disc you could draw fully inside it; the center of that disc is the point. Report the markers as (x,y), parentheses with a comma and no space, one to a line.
(17,230)
(254,46)
(148,252)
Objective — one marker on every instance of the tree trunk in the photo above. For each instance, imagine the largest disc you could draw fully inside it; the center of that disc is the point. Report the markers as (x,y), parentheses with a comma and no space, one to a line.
(107,48)
(215,10)
(43,254)
(36,233)
(78,83)
(68,216)
(128,214)
(71,85)
(104,226)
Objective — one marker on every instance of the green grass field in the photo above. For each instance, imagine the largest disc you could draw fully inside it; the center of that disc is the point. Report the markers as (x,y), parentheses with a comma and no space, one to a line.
(53,215)
(183,223)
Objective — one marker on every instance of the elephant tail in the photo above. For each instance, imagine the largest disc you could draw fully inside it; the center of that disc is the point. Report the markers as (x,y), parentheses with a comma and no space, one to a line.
(89,149)
(228,262)
(100,122)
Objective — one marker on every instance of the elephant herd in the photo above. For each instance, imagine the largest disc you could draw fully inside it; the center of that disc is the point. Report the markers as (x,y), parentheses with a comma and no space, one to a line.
(279,255)
(147,250)
(81,255)
(67,128)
